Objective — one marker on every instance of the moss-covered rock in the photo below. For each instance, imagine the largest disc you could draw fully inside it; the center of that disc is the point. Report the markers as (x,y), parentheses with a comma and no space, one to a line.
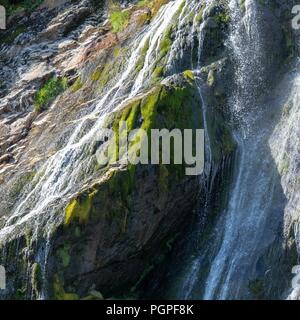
(114,229)
(104,216)
(216,26)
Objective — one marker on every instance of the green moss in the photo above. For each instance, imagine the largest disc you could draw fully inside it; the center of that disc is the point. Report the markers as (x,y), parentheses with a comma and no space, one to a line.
(243,5)
(211,78)
(136,109)
(79,208)
(28,237)
(222,143)
(18,6)
(36,278)
(20,183)
(119,19)
(199,16)
(143,53)
(156,107)
(8,38)
(144,3)
(158,73)
(116,52)
(222,18)
(123,184)
(129,116)
(59,292)
(148,109)
(145,48)
(119,185)
(166,42)
(256,288)
(63,255)
(107,72)
(20,293)
(162,107)
(214,42)
(188,74)
(49,92)
(77,85)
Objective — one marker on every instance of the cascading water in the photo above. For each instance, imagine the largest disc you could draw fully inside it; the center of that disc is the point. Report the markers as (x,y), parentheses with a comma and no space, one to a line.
(61,175)
(253,217)
(246,216)
(250,221)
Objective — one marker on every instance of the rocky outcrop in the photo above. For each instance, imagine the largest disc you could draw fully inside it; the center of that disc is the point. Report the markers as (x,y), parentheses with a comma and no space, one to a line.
(72,228)
(116,237)
(55,40)
(117,221)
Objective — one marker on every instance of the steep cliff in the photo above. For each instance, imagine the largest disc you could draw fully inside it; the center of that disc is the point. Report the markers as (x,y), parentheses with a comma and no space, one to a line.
(72,228)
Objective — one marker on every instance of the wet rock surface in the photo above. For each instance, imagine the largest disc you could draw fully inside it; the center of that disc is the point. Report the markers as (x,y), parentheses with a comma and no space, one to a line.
(72,229)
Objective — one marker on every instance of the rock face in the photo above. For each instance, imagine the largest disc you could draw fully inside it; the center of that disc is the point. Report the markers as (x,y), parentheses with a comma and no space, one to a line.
(114,238)
(72,228)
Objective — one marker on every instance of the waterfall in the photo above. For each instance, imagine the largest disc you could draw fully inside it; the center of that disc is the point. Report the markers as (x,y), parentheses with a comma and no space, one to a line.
(58,178)
(191,277)
(251,221)
(252,218)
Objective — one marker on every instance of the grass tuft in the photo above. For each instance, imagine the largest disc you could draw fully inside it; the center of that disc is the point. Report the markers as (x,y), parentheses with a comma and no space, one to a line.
(49,92)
